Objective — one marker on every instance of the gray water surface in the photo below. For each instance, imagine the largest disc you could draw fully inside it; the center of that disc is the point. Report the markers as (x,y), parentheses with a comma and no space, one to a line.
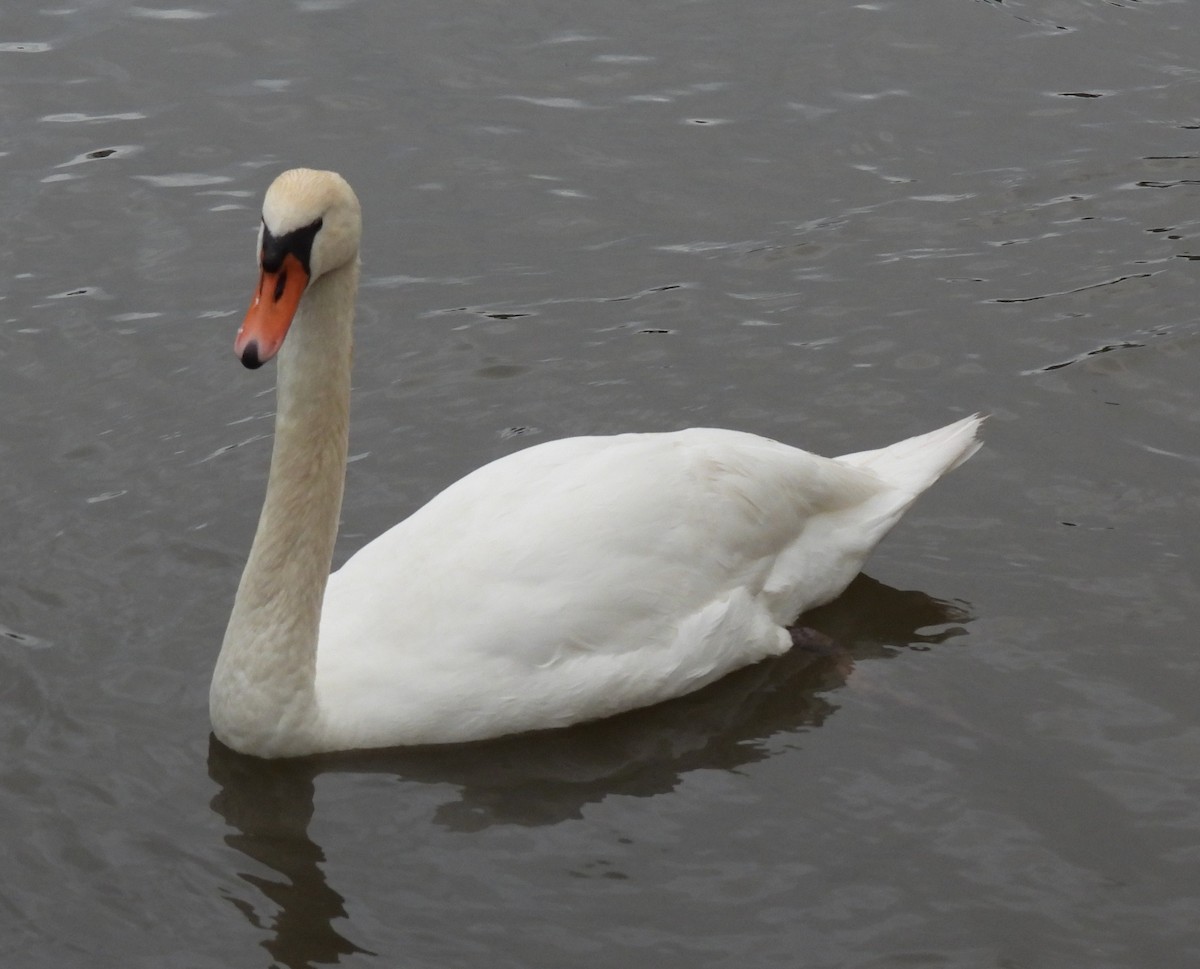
(833,223)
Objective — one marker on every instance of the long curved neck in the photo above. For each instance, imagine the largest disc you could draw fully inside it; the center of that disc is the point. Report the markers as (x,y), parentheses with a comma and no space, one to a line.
(263,697)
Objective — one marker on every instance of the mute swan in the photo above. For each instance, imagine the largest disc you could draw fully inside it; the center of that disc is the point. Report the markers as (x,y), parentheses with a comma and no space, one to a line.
(565,582)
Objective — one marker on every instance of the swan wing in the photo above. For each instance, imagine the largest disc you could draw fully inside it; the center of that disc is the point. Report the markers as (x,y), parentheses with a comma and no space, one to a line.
(582,577)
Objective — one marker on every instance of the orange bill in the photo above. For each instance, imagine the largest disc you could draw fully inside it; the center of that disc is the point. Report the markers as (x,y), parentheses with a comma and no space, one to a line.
(270,314)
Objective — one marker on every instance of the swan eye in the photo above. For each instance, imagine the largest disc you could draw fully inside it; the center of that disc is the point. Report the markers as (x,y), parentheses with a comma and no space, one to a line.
(298,242)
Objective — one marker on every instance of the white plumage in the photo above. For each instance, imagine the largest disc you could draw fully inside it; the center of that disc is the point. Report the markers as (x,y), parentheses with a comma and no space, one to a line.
(569,581)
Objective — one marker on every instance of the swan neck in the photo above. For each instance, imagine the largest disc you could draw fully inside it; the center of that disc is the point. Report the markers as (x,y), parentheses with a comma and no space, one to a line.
(263,697)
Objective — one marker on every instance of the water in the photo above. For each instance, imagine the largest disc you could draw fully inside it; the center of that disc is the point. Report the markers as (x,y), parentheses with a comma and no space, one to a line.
(832,223)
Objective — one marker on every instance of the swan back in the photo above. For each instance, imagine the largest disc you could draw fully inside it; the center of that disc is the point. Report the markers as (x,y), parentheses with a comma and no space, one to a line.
(583,577)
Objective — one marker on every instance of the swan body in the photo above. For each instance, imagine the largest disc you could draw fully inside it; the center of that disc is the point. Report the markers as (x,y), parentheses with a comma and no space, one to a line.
(566,582)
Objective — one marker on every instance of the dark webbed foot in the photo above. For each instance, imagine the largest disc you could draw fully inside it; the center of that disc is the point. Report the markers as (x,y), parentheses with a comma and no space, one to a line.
(812,641)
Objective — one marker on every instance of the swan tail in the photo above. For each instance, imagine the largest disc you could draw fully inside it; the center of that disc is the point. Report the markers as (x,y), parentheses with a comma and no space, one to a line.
(912,465)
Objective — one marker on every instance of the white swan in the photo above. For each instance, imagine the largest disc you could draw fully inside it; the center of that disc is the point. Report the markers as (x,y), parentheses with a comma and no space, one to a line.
(569,581)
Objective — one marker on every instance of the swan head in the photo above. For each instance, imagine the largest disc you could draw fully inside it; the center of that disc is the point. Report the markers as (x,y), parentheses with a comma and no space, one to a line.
(311,225)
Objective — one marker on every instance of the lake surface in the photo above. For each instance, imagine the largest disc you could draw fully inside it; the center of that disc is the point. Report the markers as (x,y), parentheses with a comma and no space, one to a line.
(832,223)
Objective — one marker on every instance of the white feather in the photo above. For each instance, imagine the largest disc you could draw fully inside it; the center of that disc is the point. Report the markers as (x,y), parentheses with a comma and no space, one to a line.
(566,582)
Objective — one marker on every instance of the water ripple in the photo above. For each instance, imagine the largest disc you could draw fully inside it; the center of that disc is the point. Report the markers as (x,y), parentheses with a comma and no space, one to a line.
(118,151)
(177,13)
(184,180)
(78,117)
(26,47)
